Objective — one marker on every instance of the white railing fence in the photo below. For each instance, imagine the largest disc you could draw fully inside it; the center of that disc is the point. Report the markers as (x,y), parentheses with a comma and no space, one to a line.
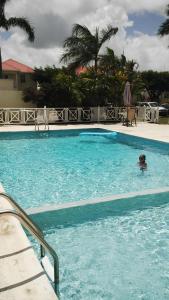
(73,115)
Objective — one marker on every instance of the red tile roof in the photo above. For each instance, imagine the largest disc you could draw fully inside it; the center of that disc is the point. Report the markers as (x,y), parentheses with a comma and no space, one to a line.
(13,65)
(81,70)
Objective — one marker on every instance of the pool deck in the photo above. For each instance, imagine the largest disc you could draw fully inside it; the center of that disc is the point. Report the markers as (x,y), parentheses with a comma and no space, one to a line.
(145,130)
(21,275)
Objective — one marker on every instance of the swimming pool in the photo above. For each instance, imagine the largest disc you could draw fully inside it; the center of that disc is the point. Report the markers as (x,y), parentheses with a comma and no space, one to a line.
(112,250)
(115,250)
(39,168)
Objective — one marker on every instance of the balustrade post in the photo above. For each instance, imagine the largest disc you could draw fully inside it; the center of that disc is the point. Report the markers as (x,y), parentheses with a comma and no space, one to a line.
(98,114)
(6,116)
(79,109)
(92,114)
(157,115)
(144,114)
(66,115)
(23,118)
(116,113)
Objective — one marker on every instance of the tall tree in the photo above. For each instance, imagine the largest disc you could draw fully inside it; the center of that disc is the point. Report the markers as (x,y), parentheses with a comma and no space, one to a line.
(83,47)
(164,28)
(6,24)
(109,62)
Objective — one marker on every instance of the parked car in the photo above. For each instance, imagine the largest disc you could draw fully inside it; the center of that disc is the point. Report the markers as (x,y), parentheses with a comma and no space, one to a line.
(162,110)
(166,105)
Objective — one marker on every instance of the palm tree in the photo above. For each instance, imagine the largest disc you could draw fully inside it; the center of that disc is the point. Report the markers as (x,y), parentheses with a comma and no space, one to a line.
(164,28)
(109,62)
(83,47)
(12,22)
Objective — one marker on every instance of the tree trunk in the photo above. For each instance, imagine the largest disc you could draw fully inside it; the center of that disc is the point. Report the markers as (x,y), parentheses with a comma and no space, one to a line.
(95,67)
(95,81)
(0,65)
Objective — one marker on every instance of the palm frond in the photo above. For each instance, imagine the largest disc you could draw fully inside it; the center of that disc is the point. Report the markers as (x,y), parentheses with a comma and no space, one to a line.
(74,65)
(2,14)
(83,46)
(71,41)
(95,44)
(76,53)
(164,28)
(106,34)
(80,30)
(23,24)
(2,4)
(69,56)
(3,23)
(80,61)
(108,57)
(123,60)
(110,52)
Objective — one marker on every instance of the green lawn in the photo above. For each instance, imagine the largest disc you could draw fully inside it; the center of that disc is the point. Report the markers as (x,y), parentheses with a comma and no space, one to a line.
(164,120)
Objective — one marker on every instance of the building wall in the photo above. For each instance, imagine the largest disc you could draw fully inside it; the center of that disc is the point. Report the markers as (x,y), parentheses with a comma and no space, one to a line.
(6,84)
(11,89)
(11,75)
(20,80)
(25,80)
(13,99)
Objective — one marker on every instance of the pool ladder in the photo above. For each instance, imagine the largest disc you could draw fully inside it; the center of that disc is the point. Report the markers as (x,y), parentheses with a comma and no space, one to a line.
(19,213)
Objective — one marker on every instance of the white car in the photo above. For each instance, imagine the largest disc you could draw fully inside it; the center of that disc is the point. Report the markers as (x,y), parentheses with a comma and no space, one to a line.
(162,110)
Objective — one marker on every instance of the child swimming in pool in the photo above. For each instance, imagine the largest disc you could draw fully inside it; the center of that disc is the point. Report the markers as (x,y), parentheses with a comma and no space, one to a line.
(142,162)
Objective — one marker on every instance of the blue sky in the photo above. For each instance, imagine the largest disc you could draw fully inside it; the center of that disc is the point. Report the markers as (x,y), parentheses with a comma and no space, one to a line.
(146,22)
(5,35)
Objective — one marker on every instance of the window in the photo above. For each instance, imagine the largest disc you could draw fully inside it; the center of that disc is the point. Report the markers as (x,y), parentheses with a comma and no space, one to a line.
(23,78)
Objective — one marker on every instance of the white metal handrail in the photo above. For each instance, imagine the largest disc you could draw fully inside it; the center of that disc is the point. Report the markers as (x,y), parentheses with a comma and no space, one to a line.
(41,240)
(21,211)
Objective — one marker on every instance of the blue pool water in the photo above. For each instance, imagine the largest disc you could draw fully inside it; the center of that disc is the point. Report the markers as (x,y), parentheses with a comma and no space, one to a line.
(122,255)
(58,167)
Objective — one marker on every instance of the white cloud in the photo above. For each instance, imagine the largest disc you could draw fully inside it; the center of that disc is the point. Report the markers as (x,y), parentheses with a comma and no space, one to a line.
(53,23)
(15,49)
(150,52)
(143,5)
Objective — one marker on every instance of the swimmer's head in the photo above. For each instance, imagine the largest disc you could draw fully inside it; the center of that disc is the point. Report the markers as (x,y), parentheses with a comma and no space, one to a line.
(142,158)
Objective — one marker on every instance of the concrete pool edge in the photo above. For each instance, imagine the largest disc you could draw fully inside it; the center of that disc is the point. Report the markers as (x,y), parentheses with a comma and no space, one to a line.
(129,133)
(21,273)
(145,130)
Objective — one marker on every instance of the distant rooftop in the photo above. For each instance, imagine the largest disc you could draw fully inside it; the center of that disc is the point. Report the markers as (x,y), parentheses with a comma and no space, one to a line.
(81,70)
(13,65)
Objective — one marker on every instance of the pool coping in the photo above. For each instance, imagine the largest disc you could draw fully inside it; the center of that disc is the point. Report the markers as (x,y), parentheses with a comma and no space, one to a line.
(21,272)
(143,129)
